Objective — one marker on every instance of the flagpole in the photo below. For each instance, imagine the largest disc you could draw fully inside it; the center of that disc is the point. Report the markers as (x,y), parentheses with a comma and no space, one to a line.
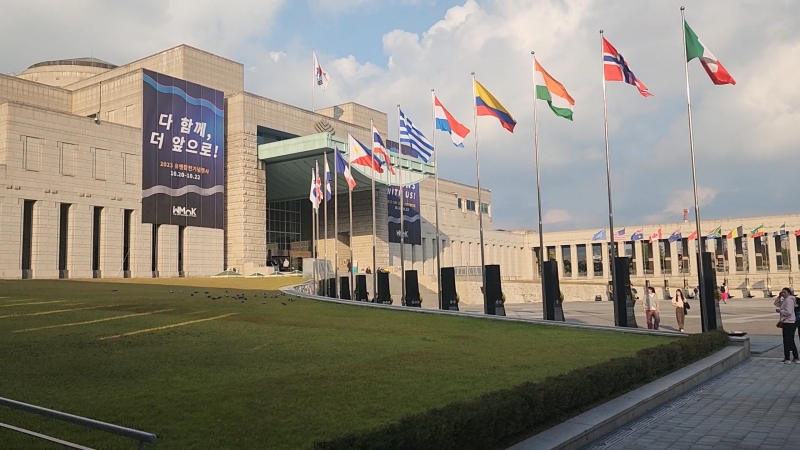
(313,78)
(350,207)
(336,224)
(402,209)
(436,202)
(374,236)
(325,214)
(314,234)
(538,187)
(612,237)
(700,274)
(480,208)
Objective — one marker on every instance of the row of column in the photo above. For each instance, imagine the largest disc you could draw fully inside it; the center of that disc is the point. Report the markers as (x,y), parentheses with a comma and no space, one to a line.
(512,260)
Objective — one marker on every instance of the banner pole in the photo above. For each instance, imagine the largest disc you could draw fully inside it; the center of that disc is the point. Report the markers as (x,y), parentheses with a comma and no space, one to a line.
(538,188)
(336,223)
(325,213)
(402,199)
(436,202)
(612,238)
(350,215)
(701,276)
(480,207)
(374,234)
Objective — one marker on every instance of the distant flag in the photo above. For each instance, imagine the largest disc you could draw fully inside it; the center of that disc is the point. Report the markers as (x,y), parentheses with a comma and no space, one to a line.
(341,167)
(735,233)
(781,231)
(696,49)
(692,236)
(318,183)
(553,92)
(616,69)
(320,75)
(446,122)
(379,149)
(758,231)
(327,180)
(675,236)
(716,233)
(487,105)
(620,236)
(656,236)
(637,235)
(599,236)
(312,196)
(361,156)
(413,137)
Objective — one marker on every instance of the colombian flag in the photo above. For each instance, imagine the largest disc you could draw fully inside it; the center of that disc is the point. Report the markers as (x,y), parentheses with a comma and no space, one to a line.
(487,105)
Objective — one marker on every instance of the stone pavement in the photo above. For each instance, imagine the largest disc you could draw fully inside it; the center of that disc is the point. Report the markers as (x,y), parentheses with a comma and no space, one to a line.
(755,405)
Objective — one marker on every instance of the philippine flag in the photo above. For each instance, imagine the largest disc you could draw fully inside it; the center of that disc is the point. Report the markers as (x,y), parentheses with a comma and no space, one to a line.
(446,122)
(361,156)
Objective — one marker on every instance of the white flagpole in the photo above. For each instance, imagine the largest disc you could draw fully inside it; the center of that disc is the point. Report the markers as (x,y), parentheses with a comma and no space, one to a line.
(374,234)
(350,214)
(709,296)
(336,223)
(480,209)
(436,202)
(325,214)
(402,209)
(314,233)
(538,188)
(612,238)
(313,78)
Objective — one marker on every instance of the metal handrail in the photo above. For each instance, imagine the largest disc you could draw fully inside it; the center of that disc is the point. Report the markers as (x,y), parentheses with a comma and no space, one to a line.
(141,437)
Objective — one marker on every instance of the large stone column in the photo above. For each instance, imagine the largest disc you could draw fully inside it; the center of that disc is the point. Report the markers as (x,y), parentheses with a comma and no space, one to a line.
(751,257)
(656,258)
(606,266)
(637,250)
(79,241)
(793,255)
(111,220)
(731,251)
(674,259)
(167,251)
(773,254)
(11,237)
(44,239)
(573,255)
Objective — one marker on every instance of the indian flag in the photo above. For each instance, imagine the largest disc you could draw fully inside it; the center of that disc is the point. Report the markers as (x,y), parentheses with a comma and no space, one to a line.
(696,49)
(553,92)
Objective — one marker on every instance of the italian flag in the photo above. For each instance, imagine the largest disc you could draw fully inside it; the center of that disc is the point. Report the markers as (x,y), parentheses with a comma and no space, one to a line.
(696,49)
(553,92)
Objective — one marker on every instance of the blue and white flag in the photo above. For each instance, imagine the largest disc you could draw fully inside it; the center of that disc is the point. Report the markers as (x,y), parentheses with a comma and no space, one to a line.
(599,236)
(638,235)
(327,180)
(411,136)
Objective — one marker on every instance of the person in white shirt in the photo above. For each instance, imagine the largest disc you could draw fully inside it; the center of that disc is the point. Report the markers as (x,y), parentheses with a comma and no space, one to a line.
(650,306)
(680,312)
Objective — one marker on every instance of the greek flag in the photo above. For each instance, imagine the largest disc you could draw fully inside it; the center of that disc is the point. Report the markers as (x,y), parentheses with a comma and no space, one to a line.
(412,137)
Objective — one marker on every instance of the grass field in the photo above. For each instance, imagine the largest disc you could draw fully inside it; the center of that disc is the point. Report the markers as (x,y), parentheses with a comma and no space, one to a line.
(264,373)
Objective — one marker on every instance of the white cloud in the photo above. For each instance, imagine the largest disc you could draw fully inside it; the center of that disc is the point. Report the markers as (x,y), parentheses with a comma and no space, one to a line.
(277,56)
(556,216)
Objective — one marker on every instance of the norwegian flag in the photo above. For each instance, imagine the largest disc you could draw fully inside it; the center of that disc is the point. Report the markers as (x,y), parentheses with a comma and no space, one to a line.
(615,68)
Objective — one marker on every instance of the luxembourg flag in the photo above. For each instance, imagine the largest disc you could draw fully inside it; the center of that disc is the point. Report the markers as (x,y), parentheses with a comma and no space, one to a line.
(361,156)
(446,122)
(379,149)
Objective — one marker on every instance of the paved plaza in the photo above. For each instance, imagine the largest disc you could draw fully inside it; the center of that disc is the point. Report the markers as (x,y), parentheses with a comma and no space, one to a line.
(755,405)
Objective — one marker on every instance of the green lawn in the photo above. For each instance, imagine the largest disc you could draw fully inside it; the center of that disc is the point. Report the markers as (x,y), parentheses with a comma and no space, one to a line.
(266,373)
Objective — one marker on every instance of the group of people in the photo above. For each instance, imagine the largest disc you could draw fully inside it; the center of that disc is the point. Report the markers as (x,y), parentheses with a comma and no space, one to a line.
(652,312)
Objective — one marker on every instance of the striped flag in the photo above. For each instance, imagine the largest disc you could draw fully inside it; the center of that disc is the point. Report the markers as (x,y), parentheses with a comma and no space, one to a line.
(696,49)
(413,137)
(615,68)
(736,232)
(553,92)
(446,122)
(619,236)
(327,180)
(487,105)
(344,169)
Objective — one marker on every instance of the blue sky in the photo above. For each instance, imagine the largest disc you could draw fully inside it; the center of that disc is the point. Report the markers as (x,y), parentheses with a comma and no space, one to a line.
(380,53)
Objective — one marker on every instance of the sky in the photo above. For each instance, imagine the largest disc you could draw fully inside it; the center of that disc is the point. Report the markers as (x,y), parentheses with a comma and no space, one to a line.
(385,52)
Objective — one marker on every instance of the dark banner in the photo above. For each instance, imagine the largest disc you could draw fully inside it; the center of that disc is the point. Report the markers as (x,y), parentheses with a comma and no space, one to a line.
(183,154)
(411,223)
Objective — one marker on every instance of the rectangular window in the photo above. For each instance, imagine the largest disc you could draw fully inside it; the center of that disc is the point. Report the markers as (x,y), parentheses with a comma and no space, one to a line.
(27,236)
(665,253)
(740,260)
(551,253)
(100,165)
(96,226)
(485,208)
(63,233)
(69,155)
(126,240)
(647,257)
(470,205)
(460,203)
(597,259)
(762,254)
(154,250)
(130,168)
(566,259)
(630,254)
(582,267)
(32,153)
(537,255)
(180,250)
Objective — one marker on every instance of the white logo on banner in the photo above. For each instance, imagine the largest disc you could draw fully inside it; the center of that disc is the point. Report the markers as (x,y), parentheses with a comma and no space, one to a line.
(183,211)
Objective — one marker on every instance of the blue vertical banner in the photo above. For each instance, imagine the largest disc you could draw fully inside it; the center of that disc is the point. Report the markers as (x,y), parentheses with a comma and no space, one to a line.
(183,152)
(411,223)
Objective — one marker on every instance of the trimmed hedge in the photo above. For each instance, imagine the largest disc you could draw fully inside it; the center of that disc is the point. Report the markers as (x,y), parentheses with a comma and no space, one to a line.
(498,417)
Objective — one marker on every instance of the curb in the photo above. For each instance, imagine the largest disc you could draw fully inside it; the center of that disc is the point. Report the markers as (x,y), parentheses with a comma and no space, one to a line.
(592,425)
(614,329)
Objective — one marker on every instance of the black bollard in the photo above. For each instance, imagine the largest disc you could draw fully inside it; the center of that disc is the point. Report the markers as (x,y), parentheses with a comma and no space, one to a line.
(413,298)
(361,289)
(449,296)
(493,300)
(344,288)
(384,296)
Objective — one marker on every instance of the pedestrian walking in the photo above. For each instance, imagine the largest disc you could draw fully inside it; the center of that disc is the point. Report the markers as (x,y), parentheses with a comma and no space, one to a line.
(650,305)
(723,291)
(785,304)
(680,308)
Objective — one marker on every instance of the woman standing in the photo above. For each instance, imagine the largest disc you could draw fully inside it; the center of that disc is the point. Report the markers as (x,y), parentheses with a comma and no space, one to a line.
(785,304)
(650,305)
(680,312)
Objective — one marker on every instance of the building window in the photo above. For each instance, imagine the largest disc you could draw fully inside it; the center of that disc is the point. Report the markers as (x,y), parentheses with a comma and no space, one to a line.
(284,224)
(597,259)
(470,205)
(582,268)
(485,208)
(566,259)
(460,204)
